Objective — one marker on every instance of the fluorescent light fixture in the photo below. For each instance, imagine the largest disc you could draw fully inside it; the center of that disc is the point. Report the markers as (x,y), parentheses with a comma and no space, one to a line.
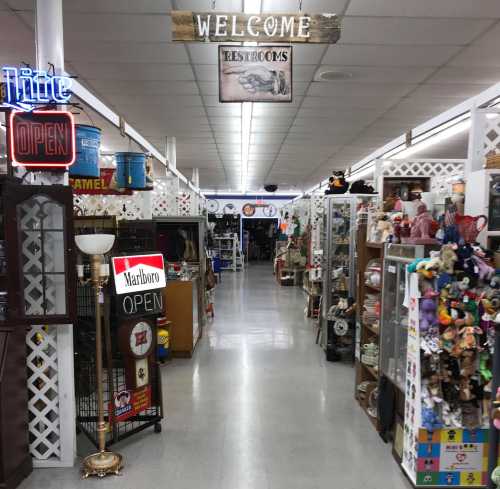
(363,173)
(246,127)
(435,138)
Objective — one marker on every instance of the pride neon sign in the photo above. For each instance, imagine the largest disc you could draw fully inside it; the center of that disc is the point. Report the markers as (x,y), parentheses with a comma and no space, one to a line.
(25,88)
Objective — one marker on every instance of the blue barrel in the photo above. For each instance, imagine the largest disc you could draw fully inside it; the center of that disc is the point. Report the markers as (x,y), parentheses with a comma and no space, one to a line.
(131,170)
(88,142)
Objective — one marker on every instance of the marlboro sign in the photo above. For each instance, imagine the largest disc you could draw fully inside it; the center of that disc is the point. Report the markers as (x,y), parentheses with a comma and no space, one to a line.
(138,273)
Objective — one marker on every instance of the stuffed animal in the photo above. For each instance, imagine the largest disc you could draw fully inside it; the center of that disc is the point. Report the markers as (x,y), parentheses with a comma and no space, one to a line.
(360,187)
(448,259)
(428,316)
(421,228)
(384,228)
(337,184)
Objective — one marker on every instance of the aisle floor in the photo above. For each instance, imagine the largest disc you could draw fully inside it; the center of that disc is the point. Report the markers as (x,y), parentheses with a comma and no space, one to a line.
(257,407)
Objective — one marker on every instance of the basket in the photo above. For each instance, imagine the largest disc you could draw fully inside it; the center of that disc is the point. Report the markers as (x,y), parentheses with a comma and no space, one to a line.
(493,161)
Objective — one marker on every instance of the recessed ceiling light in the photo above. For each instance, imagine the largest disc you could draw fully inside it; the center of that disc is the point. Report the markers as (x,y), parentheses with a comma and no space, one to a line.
(333,75)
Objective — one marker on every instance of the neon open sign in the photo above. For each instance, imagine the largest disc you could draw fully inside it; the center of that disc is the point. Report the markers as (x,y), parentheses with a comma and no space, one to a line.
(41,139)
(25,88)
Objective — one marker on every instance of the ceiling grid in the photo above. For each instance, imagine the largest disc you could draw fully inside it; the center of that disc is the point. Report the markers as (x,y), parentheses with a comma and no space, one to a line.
(400,63)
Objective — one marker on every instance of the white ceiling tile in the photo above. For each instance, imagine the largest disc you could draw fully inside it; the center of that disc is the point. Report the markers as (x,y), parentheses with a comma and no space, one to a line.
(395,30)
(425,8)
(118,6)
(109,27)
(455,74)
(204,6)
(152,88)
(359,102)
(372,74)
(124,52)
(136,71)
(386,56)
(478,57)
(314,6)
(350,89)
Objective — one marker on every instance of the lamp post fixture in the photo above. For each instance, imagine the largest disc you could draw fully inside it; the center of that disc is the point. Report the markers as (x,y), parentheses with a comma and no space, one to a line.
(103,462)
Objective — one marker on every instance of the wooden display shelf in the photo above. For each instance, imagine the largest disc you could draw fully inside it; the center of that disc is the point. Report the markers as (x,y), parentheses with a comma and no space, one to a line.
(371,244)
(371,370)
(372,328)
(367,251)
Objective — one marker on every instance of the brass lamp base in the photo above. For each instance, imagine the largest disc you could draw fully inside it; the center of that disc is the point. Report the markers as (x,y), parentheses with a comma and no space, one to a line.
(101,464)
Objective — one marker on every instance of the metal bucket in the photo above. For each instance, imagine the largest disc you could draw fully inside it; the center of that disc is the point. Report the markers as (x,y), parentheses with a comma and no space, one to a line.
(131,170)
(88,142)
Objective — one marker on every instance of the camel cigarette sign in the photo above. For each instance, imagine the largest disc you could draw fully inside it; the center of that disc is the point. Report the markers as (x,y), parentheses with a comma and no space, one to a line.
(255,74)
(239,27)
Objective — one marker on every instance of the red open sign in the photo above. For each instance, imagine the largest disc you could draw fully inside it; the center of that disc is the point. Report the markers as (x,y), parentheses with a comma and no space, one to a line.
(42,139)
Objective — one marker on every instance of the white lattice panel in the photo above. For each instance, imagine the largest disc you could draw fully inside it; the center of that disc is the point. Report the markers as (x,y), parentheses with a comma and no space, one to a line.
(43,387)
(51,405)
(164,196)
(484,136)
(441,172)
(185,203)
(422,168)
(121,206)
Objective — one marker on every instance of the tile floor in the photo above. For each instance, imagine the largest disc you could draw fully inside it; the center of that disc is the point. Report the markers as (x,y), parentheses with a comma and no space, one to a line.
(258,407)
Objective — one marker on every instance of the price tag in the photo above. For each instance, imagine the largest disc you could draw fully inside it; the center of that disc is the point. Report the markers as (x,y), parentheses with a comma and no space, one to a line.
(318,252)
(391,269)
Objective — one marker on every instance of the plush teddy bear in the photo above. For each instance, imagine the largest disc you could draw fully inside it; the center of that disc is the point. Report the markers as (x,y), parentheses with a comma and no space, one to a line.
(337,184)
(448,259)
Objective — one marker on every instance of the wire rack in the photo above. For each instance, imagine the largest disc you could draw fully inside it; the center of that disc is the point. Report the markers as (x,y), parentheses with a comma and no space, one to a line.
(113,376)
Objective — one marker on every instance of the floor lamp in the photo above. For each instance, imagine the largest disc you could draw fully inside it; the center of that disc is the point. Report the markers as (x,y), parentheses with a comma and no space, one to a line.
(103,462)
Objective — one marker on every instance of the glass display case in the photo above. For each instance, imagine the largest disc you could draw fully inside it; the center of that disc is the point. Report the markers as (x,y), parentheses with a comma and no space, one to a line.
(394,318)
(339,249)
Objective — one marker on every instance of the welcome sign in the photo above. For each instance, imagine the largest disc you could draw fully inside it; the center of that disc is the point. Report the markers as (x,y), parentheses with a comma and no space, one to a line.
(239,27)
(138,273)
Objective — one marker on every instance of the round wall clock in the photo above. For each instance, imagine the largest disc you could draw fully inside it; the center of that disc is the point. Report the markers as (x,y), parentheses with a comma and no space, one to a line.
(137,338)
(269,210)
(212,206)
(248,210)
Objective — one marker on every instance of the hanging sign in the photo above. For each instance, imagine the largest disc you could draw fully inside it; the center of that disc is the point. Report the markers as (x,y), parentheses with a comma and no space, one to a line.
(24,88)
(104,185)
(138,273)
(255,74)
(41,139)
(239,27)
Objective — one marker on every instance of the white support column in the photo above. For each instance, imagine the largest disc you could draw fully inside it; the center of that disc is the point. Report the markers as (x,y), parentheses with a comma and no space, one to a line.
(171,152)
(60,434)
(195,178)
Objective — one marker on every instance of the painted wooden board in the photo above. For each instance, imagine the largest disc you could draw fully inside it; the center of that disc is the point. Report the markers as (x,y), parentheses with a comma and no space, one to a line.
(239,27)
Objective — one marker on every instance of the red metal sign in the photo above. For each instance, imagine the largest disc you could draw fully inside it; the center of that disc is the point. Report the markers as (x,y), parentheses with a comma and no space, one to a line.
(42,139)
(130,403)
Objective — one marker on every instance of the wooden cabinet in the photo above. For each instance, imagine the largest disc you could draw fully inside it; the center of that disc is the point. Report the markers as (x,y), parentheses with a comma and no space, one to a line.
(38,286)
(15,459)
(183,308)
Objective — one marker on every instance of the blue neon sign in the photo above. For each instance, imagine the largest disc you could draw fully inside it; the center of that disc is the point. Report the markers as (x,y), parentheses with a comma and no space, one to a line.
(26,88)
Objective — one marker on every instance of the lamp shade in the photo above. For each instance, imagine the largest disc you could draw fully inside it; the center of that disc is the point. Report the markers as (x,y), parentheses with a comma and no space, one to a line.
(95,244)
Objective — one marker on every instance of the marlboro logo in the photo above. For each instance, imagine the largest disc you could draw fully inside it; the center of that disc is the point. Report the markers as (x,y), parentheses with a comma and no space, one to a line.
(138,273)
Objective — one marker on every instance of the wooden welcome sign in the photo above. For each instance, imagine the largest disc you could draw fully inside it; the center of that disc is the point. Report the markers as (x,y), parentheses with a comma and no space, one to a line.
(238,27)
